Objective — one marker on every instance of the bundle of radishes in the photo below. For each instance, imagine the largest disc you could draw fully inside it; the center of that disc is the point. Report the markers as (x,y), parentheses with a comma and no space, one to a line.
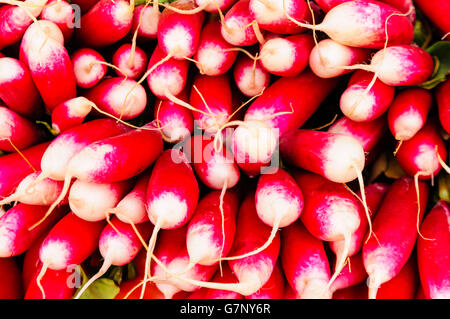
(258,149)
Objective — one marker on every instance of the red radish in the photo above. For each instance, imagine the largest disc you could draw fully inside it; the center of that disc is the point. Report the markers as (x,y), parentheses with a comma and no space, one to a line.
(15,19)
(339,158)
(132,61)
(236,28)
(286,56)
(328,57)
(210,232)
(402,286)
(273,288)
(369,134)
(213,55)
(68,243)
(284,106)
(89,67)
(362,102)
(432,254)
(131,208)
(17,132)
(374,195)
(408,112)
(179,34)
(365,24)
(16,166)
(443,101)
(42,49)
(216,169)
(2,55)
(62,14)
(421,155)
(56,284)
(352,274)
(331,213)
(166,76)
(118,244)
(176,121)
(17,89)
(70,113)
(249,76)
(353,292)
(11,284)
(31,260)
(83,198)
(85,5)
(436,11)
(289,293)
(304,263)
(271,15)
(145,22)
(395,231)
(106,22)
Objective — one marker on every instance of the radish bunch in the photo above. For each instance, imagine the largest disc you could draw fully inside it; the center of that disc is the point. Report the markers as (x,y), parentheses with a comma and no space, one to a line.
(184,149)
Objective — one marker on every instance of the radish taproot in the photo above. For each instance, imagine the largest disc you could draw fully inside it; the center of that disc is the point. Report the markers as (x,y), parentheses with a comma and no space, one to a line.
(89,67)
(131,61)
(249,76)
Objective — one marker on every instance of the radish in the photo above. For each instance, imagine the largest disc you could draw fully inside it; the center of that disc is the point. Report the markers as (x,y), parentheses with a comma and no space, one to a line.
(16,166)
(42,49)
(322,153)
(249,76)
(145,22)
(166,75)
(118,245)
(274,287)
(106,22)
(83,198)
(330,213)
(402,286)
(85,5)
(179,34)
(175,121)
(15,236)
(62,14)
(385,254)
(282,107)
(132,61)
(31,260)
(436,11)
(17,89)
(214,55)
(55,285)
(17,132)
(304,263)
(364,24)
(328,57)
(11,285)
(89,67)
(369,134)
(421,156)
(352,274)
(443,101)
(70,113)
(362,101)
(432,254)
(15,19)
(69,242)
(353,292)
(286,56)
(271,15)
(408,112)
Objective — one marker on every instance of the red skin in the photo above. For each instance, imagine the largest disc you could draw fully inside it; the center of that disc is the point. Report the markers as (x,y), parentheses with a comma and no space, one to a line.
(64,24)
(211,38)
(241,67)
(101,71)
(121,59)
(395,229)
(432,255)
(368,133)
(15,224)
(85,5)
(240,11)
(62,117)
(142,35)
(100,27)
(128,155)
(425,141)
(207,218)
(273,288)
(190,23)
(402,286)
(414,99)
(353,292)
(437,11)
(442,95)
(303,257)
(296,9)
(31,260)
(172,173)
(11,284)
(19,92)
(352,274)
(23,133)
(161,75)
(54,283)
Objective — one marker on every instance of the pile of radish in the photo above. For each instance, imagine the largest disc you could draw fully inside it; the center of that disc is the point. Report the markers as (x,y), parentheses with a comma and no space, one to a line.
(237,149)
